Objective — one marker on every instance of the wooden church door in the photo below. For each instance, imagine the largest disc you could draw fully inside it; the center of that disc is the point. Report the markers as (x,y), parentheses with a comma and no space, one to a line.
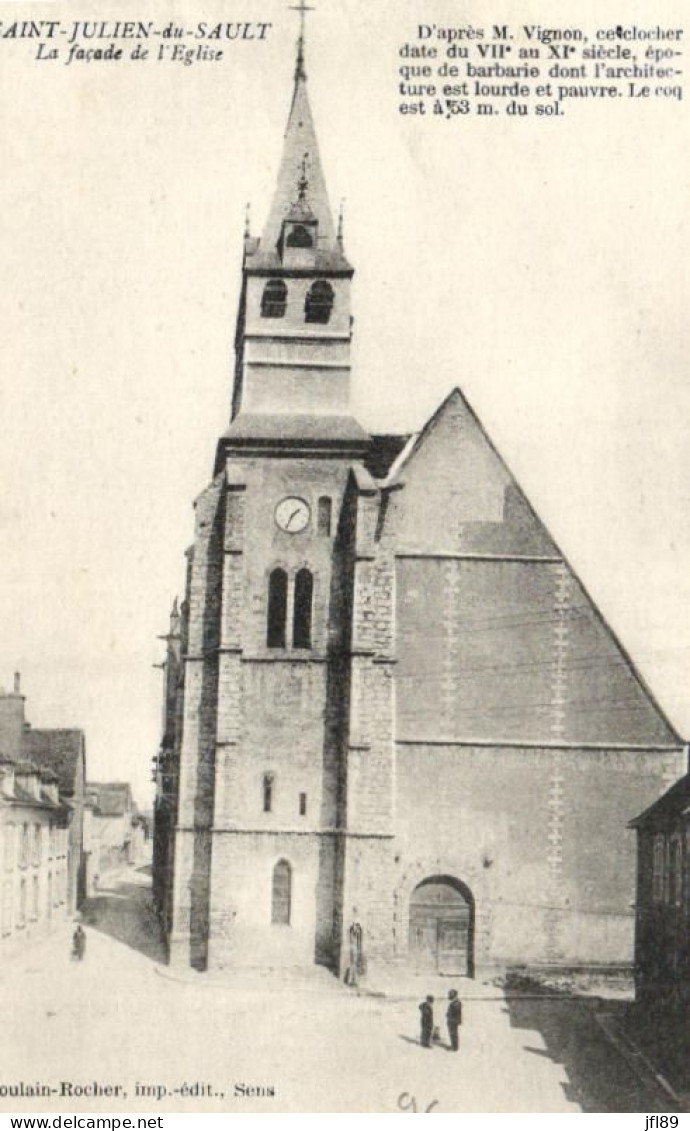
(441,927)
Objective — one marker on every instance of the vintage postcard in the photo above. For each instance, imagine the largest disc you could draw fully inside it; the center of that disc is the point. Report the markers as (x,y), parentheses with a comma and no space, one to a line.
(345,598)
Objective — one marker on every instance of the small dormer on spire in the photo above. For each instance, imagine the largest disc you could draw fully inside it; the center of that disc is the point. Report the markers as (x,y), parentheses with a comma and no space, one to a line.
(300,231)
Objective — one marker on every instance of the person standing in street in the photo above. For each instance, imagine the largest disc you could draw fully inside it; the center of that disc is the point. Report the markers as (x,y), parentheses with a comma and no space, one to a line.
(79,944)
(454,1019)
(426,1010)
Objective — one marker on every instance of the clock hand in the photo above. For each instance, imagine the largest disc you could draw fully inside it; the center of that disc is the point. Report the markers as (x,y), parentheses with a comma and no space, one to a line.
(289,521)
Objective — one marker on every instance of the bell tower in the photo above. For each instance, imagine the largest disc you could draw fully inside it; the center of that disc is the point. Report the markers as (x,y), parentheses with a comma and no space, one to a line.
(294,327)
(259,876)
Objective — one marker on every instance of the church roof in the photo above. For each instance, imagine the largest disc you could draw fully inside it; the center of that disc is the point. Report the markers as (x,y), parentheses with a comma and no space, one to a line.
(384,450)
(271,427)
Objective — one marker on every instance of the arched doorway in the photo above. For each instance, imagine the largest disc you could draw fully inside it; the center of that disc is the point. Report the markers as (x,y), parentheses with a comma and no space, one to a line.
(442,926)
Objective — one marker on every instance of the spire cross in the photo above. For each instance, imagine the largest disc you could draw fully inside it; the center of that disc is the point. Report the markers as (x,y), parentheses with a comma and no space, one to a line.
(302,8)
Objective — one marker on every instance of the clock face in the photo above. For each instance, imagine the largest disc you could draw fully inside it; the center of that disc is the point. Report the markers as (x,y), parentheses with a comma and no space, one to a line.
(292,515)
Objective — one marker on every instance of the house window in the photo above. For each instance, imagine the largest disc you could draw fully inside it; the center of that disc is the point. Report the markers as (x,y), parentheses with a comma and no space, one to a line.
(24,857)
(324,516)
(9,848)
(49,896)
(319,302)
(281,893)
(302,804)
(21,918)
(658,870)
(34,897)
(277,608)
(300,237)
(274,299)
(268,792)
(7,908)
(37,844)
(301,624)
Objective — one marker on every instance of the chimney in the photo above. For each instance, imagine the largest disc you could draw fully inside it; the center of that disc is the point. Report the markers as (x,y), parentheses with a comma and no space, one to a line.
(17,683)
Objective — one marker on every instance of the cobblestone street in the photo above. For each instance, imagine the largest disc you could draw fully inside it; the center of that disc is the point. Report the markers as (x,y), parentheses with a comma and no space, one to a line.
(119,1018)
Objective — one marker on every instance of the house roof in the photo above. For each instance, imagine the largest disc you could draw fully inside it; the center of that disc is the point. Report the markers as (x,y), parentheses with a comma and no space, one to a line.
(59,750)
(110,799)
(671,804)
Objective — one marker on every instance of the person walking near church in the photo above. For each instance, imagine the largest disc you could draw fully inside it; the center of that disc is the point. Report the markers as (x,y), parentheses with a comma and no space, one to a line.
(454,1019)
(426,1010)
(78,944)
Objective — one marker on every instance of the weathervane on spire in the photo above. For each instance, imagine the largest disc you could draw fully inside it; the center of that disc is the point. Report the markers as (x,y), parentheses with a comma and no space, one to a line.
(302,8)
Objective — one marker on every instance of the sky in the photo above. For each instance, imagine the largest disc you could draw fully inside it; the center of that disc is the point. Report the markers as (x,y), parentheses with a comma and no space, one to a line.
(542,266)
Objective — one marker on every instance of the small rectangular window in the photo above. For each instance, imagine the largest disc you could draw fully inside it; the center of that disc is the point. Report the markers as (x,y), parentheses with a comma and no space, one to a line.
(268,793)
(7,908)
(302,804)
(324,516)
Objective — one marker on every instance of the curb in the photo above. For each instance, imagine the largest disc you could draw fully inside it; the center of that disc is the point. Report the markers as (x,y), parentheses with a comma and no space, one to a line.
(203,980)
(636,1059)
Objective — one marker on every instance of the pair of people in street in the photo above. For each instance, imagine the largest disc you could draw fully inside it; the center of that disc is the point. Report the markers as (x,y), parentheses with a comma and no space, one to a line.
(453,1020)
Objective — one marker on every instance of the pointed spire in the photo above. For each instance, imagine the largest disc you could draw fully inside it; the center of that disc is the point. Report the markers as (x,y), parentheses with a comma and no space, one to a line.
(300,178)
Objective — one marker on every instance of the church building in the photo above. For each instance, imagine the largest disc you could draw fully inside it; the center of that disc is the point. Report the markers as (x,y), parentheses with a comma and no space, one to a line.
(398,731)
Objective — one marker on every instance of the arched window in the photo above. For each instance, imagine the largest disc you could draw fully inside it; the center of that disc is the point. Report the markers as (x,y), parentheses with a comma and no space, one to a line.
(277,608)
(274,299)
(281,893)
(319,302)
(324,516)
(301,624)
(300,237)
(268,792)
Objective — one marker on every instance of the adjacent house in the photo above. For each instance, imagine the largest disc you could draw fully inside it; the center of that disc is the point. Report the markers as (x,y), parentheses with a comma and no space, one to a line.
(662,928)
(41,824)
(62,752)
(117,834)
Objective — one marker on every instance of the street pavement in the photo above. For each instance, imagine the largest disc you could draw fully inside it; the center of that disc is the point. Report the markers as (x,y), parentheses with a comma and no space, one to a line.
(119,1019)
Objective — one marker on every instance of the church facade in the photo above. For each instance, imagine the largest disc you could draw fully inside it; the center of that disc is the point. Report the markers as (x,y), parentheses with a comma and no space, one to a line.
(397,729)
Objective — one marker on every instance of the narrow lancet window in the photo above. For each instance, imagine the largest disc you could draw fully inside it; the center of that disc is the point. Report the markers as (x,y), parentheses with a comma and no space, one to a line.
(268,792)
(277,608)
(301,628)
